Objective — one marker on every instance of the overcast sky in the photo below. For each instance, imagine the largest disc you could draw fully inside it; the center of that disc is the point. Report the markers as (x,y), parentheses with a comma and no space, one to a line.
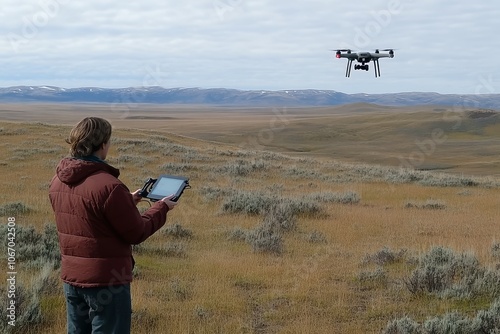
(441,46)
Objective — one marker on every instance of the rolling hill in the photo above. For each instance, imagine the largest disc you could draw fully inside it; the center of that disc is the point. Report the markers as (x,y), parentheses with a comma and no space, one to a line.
(233,97)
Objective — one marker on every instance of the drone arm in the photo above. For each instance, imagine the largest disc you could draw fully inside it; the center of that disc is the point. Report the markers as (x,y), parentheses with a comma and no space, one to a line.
(347,55)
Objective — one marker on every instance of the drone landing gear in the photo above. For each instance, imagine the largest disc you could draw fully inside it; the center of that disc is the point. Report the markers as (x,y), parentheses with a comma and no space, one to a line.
(356,67)
(349,66)
(365,67)
(376,66)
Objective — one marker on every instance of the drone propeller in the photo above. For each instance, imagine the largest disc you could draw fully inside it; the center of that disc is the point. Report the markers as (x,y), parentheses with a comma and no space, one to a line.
(343,50)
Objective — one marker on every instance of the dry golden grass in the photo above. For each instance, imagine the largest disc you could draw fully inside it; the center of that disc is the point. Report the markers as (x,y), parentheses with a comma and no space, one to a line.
(358,133)
(221,286)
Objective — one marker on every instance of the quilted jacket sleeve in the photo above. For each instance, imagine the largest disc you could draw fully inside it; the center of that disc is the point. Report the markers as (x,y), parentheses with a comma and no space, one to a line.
(121,212)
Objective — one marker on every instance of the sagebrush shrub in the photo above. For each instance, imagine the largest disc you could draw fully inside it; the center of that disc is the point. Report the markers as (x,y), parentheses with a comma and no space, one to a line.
(385,256)
(251,203)
(35,249)
(429,204)
(237,234)
(266,239)
(268,236)
(177,231)
(404,325)
(175,168)
(281,217)
(485,321)
(213,193)
(13,209)
(166,249)
(495,250)
(242,167)
(28,301)
(316,237)
(448,275)
(28,309)
(379,275)
(349,197)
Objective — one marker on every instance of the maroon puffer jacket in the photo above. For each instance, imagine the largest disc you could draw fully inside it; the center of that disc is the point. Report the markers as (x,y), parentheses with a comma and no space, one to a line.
(97,222)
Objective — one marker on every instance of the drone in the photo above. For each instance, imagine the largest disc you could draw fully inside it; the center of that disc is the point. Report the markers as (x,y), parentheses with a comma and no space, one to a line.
(364,58)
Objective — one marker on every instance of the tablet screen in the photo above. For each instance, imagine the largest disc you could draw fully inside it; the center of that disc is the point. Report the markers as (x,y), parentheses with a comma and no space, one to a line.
(166,186)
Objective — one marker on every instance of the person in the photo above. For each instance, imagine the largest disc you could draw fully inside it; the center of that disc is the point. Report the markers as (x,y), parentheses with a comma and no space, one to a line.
(98,222)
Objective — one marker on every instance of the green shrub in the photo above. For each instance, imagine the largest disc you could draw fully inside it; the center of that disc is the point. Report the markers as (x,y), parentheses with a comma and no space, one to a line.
(28,309)
(485,321)
(375,173)
(250,203)
(404,325)
(191,156)
(129,159)
(316,237)
(452,322)
(378,276)
(27,301)
(177,231)
(281,217)
(180,290)
(34,249)
(488,321)
(149,145)
(213,193)
(175,168)
(237,234)
(487,283)
(13,132)
(348,197)
(385,256)
(448,275)
(299,172)
(14,209)
(167,249)
(243,167)
(495,250)
(31,151)
(429,205)
(304,206)
(444,180)
(255,203)
(266,238)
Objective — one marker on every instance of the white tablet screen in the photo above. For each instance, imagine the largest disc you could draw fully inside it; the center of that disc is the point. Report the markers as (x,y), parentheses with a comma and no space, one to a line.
(165,187)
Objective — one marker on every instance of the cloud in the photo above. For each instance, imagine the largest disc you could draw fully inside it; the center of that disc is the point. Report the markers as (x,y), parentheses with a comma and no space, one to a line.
(259,44)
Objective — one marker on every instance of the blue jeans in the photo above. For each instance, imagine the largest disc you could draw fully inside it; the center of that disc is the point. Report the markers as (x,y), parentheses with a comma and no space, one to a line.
(102,310)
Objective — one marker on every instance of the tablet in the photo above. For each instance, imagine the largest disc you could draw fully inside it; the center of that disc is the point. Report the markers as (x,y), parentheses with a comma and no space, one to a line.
(166,185)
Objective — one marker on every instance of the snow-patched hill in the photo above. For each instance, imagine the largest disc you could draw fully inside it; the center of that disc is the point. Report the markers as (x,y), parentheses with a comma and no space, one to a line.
(223,96)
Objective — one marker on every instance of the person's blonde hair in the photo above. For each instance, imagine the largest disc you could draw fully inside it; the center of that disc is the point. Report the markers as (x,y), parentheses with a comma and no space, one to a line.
(88,136)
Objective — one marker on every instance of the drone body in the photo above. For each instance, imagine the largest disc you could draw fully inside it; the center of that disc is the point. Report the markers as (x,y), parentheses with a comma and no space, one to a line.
(364,58)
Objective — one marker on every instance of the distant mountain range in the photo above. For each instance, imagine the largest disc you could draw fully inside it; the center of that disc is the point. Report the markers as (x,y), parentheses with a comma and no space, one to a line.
(234,97)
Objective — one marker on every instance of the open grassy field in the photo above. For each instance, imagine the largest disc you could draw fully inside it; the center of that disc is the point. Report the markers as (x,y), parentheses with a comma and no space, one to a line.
(453,139)
(298,221)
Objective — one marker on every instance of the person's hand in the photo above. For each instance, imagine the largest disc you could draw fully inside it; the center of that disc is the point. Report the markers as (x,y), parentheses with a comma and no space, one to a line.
(168,201)
(137,198)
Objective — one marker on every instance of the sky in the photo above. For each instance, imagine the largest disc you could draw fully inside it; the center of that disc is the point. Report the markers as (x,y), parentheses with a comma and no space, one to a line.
(443,46)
